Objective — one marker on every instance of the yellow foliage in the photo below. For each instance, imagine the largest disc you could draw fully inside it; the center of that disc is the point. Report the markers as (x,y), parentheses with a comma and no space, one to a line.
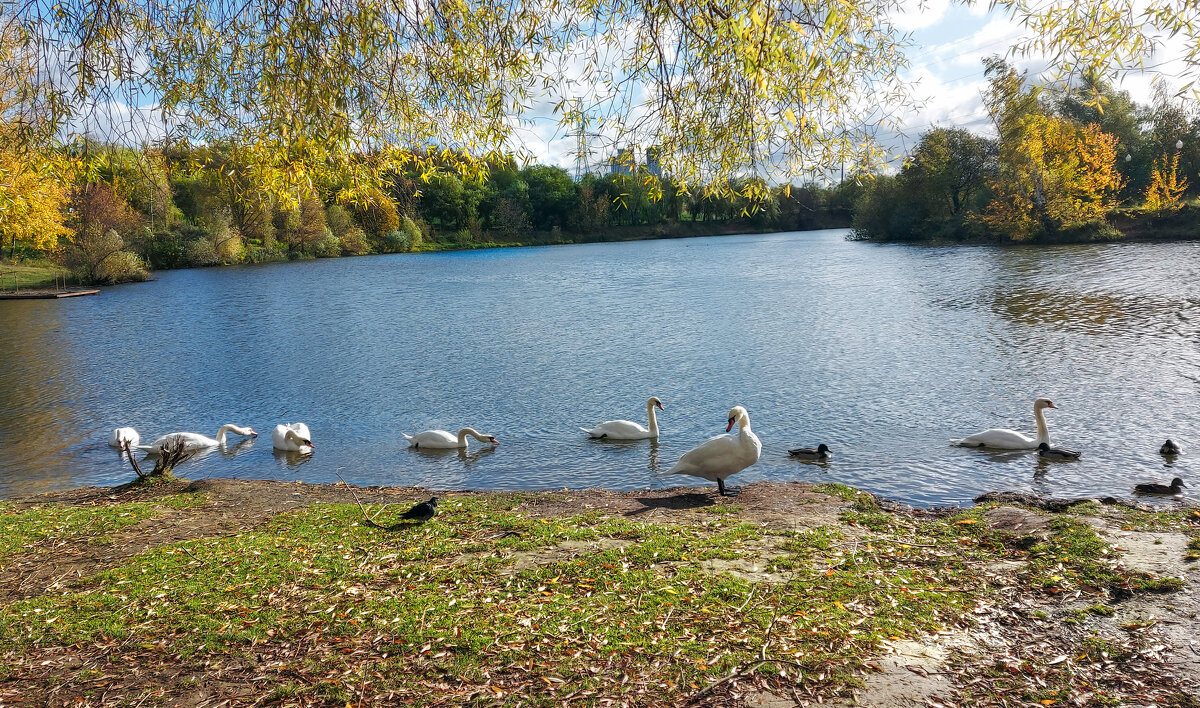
(1053,173)
(32,194)
(1167,187)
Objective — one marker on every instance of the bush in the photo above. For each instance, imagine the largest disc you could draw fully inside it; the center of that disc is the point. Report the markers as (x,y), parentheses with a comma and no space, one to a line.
(202,253)
(377,215)
(354,242)
(99,257)
(395,242)
(413,233)
(329,246)
(338,220)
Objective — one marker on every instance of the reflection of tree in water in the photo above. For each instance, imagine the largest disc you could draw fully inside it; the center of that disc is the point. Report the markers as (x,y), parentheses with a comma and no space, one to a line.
(1092,313)
(40,401)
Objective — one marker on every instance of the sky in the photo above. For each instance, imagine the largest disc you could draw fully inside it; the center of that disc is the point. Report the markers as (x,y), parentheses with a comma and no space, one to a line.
(946,70)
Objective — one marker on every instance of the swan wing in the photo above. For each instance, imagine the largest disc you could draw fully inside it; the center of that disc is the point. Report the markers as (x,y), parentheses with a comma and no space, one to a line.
(715,458)
(440,439)
(619,430)
(999,439)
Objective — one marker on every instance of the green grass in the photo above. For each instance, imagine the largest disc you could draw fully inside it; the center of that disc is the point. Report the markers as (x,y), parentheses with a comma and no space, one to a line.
(29,528)
(28,274)
(486,603)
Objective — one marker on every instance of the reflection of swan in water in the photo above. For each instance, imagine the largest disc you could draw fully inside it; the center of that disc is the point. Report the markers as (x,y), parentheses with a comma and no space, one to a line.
(467,456)
(236,448)
(653,464)
(194,441)
(292,458)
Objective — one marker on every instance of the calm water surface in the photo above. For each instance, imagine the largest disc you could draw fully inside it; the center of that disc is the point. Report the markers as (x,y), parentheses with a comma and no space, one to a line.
(882,352)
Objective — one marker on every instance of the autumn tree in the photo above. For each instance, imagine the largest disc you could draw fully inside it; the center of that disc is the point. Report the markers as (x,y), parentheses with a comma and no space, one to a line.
(1053,174)
(1167,187)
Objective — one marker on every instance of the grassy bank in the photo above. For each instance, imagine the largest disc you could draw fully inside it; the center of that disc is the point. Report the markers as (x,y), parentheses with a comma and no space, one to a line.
(280,594)
(32,274)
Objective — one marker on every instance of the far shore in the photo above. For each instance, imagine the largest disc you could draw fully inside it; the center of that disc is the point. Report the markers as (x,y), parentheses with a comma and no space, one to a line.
(285,593)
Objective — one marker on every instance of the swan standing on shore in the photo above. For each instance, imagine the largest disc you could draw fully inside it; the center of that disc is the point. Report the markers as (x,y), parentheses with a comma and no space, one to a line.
(1005,439)
(121,436)
(627,429)
(291,437)
(442,440)
(195,441)
(719,457)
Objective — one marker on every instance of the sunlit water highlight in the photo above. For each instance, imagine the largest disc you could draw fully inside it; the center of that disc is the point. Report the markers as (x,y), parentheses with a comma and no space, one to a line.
(882,352)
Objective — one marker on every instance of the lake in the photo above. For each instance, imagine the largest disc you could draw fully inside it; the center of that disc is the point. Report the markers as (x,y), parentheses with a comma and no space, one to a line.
(885,353)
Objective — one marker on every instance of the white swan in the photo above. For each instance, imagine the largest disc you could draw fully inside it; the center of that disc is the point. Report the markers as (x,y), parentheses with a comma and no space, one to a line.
(195,441)
(120,436)
(627,429)
(291,437)
(1005,439)
(442,440)
(723,455)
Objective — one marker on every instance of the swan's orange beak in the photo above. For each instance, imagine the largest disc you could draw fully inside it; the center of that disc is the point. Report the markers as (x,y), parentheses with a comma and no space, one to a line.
(309,443)
(494,441)
(1051,405)
(659,406)
(730,426)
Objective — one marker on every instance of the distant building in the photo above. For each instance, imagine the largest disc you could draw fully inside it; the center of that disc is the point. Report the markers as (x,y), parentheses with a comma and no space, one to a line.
(625,162)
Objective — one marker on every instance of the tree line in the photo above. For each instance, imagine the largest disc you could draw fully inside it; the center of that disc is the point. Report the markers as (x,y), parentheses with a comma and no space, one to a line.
(1067,162)
(111,214)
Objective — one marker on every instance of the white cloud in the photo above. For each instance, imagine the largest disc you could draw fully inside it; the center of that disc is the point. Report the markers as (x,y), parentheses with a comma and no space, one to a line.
(919,14)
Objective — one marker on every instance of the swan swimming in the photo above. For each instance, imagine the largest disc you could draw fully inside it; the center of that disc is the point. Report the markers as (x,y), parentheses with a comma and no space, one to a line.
(1005,439)
(719,457)
(442,440)
(291,437)
(195,441)
(627,429)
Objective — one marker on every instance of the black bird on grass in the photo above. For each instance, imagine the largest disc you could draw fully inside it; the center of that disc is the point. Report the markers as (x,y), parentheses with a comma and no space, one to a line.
(1169,448)
(1175,490)
(422,512)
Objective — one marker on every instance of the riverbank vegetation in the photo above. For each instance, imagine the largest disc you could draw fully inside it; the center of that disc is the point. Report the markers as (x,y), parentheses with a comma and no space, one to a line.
(279,594)
(1070,163)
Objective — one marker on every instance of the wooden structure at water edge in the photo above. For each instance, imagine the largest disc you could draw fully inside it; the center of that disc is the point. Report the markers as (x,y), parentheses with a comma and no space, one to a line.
(45,294)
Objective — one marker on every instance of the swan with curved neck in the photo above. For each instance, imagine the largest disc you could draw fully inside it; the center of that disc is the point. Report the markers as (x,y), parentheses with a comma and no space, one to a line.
(291,437)
(627,429)
(121,436)
(719,457)
(1006,439)
(195,441)
(442,440)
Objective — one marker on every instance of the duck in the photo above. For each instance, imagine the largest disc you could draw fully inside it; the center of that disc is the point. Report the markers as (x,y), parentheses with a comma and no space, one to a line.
(422,512)
(721,456)
(291,437)
(820,452)
(442,440)
(1057,453)
(195,441)
(627,429)
(1175,490)
(1169,448)
(122,436)
(1006,439)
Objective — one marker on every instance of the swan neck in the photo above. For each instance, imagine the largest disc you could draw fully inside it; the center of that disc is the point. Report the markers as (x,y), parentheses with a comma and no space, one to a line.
(1043,433)
(462,436)
(744,425)
(650,413)
(221,433)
